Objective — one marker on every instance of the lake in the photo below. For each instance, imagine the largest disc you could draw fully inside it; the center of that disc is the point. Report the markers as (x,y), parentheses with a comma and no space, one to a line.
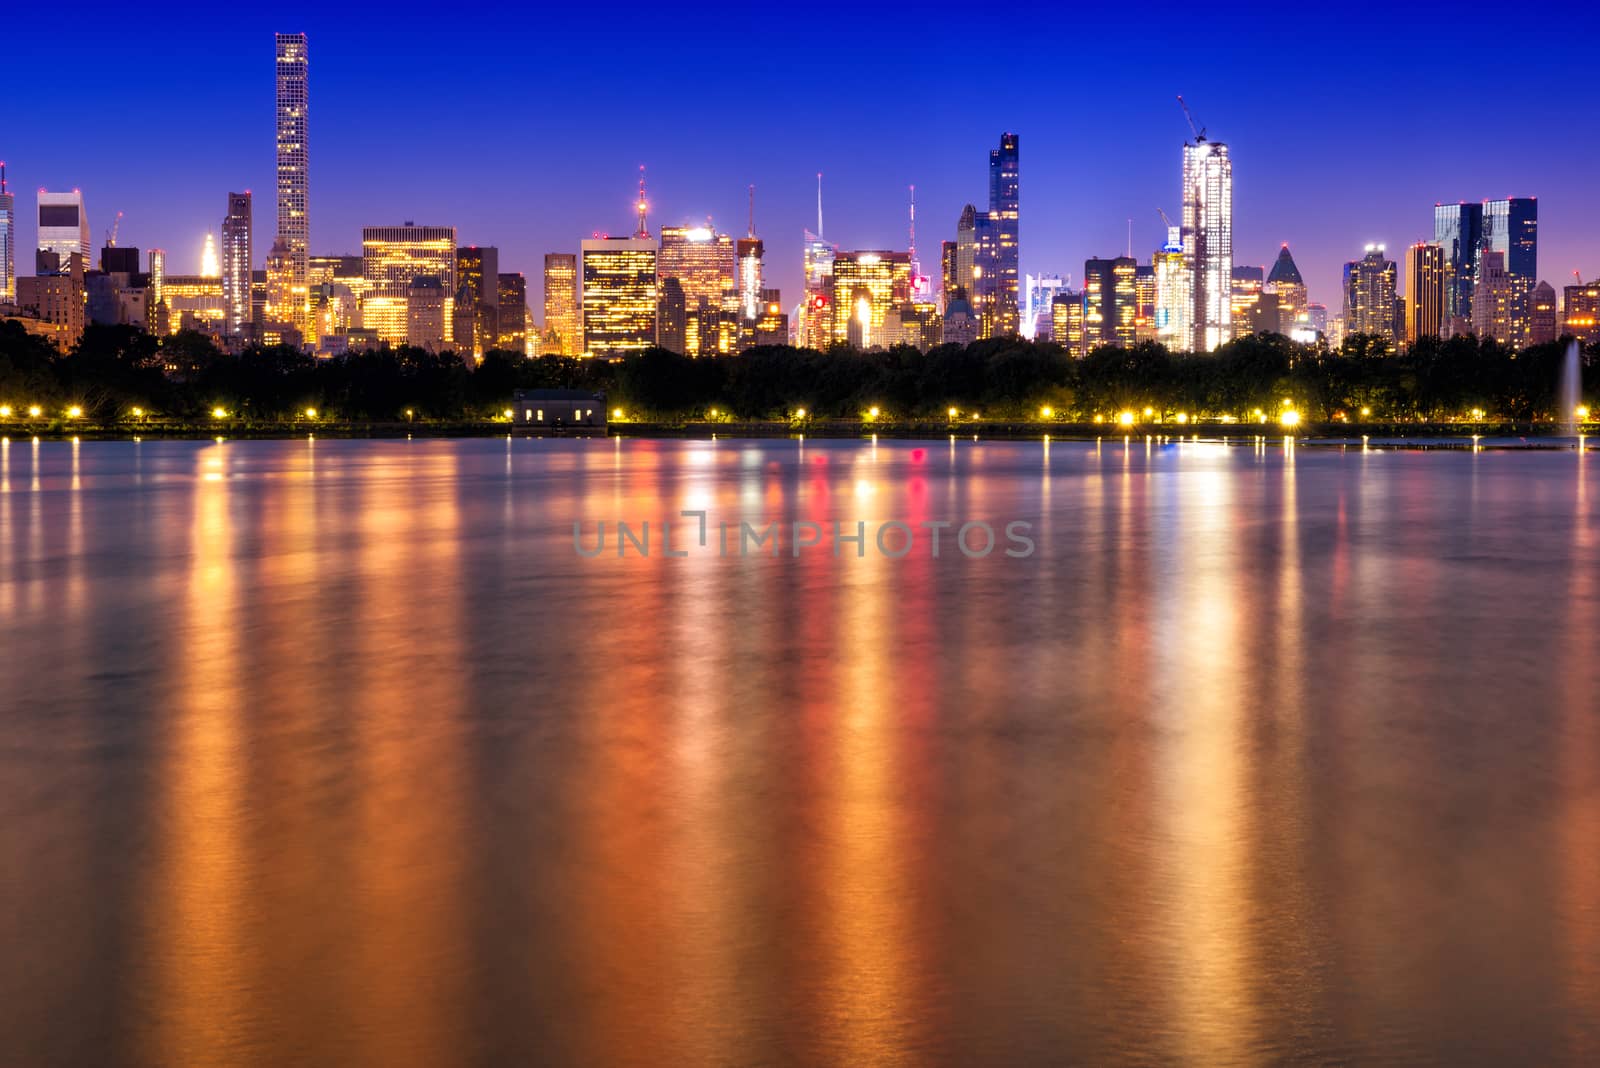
(341,752)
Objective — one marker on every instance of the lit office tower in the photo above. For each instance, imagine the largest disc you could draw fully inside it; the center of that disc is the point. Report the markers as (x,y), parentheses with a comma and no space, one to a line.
(1038,292)
(477,299)
(1511,228)
(947,271)
(512,320)
(1458,231)
(8,241)
(749,250)
(562,330)
(1003,201)
(1110,303)
(63,230)
(1369,295)
(236,260)
(1250,309)
(1174,294)
(1494,299)
(1285,283)
(294,224)
(1066,323)
(815,322)
(865,286)
(1424,290)
(619,295)
(156,261)
(1580,311)
(392,257)
(702,261)
(1207,233)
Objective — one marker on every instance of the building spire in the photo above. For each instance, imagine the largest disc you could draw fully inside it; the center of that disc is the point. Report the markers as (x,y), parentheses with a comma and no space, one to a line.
(819,205)
(644,206)
(3,189)
(752,210)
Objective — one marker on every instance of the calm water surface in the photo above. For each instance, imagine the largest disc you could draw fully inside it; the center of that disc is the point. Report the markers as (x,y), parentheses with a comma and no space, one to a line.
(337,753)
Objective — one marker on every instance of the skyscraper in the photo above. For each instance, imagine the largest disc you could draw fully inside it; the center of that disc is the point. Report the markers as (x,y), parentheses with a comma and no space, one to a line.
(236,263)
(63,230)
(1458,231)
(1542,314)
(1284,282)
(1174,323)
(702,261)
(1425,290)
(391,256)
(1110,302)
(1511,228)
(1493,298)
(619,294)
(477,299)
(8,241)
(512,318)
(865,286)
(562,329)
(1004,181)
(1580,311)
(1369,295)
(749,251)
(294,224)
(1207,234)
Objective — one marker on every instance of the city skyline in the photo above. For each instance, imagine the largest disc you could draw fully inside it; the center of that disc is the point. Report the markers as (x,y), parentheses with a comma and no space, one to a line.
(1084,180)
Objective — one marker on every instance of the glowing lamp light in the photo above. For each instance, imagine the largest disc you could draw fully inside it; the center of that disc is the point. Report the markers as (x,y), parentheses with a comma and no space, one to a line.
(1099,418)
(5,411)
(74,412)
(952,413)
(506,413)
(1290,418)
(872,412)
(138,413)
(219,413)
(35,411)
(311,413)
(1148,412)
(1125,418)
(616,413)
(1046,412)
(1365,411)
(799,413)
(1581,411)
(1182,417)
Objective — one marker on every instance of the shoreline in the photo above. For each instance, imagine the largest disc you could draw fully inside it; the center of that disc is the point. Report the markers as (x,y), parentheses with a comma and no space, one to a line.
(1373,435)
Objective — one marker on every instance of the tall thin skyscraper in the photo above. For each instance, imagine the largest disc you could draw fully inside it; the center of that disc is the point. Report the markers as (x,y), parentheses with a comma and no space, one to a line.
(8,241)
(237,256)
(1425,292)
(294,225)
(1511,228)
(1207,234)
(1004,181)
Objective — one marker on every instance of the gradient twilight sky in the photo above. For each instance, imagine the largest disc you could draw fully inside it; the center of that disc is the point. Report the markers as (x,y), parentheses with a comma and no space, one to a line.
(524,128)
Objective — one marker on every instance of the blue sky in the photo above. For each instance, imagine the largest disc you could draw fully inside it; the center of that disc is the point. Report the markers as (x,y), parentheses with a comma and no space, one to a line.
(525,127)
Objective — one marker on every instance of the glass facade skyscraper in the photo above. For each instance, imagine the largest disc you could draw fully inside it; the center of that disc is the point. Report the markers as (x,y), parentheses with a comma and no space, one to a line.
(1458,231)
(1004,182)
(237,257)
(63,230)
(619,296)
(8,241)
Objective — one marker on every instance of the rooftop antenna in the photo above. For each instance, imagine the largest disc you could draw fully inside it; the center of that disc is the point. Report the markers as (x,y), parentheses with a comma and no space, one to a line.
(3,189)
(1198,131)
(644,231)
(752,210)
(913,229)
(1130,239)
(819,205)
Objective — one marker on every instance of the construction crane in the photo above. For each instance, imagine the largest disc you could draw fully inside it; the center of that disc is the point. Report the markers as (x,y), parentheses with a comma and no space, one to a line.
(1199,131)
(111,234)
(1165,221)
